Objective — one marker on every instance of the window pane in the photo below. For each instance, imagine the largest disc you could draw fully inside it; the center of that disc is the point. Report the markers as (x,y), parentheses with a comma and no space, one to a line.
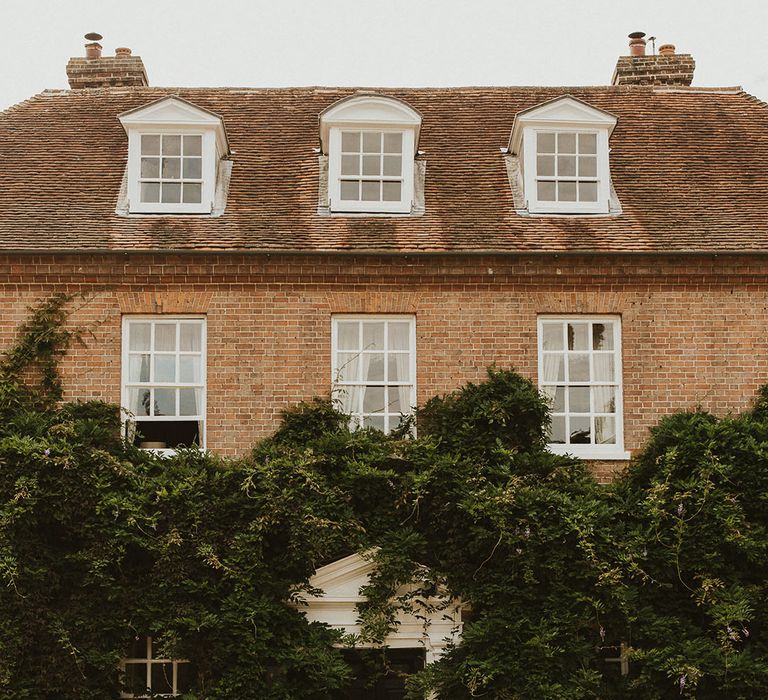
(556,397)
(566,143)
(189,369)
(393,143)
(165,368)
(553,367)
(587,191)
(399,335)
(587,143)
(193,168)
(172,168)
(587,166)
(578,336)
(165,402)
(139,336)
(189,402)
(578,399)
(350,165)
(545,166)
(150,145)
(371,165)
(165,336)
(350,141)
(150,167)
(578,368)
(190,336)
(399,367)
(373,335)
(377,422)
(373,399)
(552,336)
(557,430)
(566,191)
(139,401)
(138,648)
(171,193)
(193,145)
(566,166)
(372,142)
(545,191)
(604,367)
(371,191)
(193,193)
(604,399)
(136,678)
(150,192)
(373,367)
(581,432)
(348,367)
(393,166)
(394,402)
(138,368)
(162,678)
(347,337)
(545,143)
(392,191)
(602,336)
(605,430)
(350,190)
(171,145)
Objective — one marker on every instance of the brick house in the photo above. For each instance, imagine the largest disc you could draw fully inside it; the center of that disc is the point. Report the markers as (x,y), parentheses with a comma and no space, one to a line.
(474,240)
(244,249)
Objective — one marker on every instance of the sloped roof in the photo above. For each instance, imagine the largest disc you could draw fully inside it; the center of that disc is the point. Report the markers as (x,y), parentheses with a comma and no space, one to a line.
(690,167)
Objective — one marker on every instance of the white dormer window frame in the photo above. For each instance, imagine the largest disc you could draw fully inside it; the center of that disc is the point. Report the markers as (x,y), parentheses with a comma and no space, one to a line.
(174,149)
(371,143)
(563,147)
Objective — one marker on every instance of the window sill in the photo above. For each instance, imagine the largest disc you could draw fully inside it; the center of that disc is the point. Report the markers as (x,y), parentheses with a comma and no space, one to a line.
(170,451)
(592,452)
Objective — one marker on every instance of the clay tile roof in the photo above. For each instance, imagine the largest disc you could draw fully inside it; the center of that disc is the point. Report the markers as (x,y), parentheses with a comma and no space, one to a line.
(690,167)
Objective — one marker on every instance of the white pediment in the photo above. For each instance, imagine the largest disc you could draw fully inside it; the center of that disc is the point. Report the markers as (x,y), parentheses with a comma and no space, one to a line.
(172,111)
(343,578)
(436,629)
(562,111)
(368,110)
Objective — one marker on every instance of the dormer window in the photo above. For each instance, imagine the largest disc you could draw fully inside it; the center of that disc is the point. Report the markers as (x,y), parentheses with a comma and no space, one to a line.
(171,169)
(370,142)
(562,147)
(174,152)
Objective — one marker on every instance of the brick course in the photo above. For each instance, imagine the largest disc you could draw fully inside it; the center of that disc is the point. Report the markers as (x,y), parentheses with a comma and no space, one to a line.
(693,328)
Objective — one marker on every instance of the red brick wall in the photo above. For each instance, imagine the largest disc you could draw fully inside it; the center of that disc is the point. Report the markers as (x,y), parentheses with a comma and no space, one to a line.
(694,329)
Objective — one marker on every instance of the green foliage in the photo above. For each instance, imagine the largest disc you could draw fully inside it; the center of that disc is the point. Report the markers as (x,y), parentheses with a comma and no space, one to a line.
(100,542)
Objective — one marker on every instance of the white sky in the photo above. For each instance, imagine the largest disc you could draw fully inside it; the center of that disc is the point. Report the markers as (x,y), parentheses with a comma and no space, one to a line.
(379,42)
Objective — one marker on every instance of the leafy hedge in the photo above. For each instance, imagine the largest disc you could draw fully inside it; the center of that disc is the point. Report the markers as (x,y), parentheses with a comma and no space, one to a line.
(101,542)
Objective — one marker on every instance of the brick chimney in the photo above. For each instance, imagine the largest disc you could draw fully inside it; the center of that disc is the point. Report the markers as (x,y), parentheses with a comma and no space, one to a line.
(95,70)
(668,68)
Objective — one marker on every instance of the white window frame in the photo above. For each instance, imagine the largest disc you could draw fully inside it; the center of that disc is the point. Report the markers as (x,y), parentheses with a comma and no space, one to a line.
(202,385)
(403,206)
(530,169)
(209,165)
(150,661)
(337,386)
(588,451)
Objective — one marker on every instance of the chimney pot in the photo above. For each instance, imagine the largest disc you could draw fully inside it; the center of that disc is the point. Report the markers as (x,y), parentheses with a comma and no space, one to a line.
(122,51)
(637,44)
(93,50)
(667,50)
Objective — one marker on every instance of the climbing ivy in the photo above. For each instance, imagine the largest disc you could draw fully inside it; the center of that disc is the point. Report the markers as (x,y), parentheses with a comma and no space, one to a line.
(559,577)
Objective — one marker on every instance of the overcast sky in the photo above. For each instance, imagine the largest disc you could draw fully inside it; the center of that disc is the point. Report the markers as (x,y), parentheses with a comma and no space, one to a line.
(257,43)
